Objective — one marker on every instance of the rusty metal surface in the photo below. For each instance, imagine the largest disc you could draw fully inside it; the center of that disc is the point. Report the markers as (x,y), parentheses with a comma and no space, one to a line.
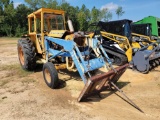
(98,83)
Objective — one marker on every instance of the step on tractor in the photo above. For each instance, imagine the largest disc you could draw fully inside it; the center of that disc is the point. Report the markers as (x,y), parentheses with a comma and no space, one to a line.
(59,49)
(121,47)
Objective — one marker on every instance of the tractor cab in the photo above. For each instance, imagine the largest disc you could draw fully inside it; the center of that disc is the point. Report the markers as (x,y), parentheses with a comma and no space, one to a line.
(45,22)
(51,23)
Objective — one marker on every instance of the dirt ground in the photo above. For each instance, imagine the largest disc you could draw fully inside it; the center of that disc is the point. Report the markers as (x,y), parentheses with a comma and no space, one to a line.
(25,96)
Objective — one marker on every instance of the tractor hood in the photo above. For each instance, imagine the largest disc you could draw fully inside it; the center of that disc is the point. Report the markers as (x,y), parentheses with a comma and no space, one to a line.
(56,33)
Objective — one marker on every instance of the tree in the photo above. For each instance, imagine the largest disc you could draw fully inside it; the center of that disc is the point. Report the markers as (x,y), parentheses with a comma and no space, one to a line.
(105,15)
(13,21)
(71,13)
(3,4)
(53,4)
(33,4)
(9,14)
(83,18)
(21,19)
(108,16)
(95,15)
(1,8)
(36,4)
(119,11)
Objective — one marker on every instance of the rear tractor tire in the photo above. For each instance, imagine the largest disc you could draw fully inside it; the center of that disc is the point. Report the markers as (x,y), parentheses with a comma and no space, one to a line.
(26,54)
(50,75)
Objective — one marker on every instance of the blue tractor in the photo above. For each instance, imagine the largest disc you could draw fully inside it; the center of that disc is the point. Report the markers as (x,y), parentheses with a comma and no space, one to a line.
(59,49)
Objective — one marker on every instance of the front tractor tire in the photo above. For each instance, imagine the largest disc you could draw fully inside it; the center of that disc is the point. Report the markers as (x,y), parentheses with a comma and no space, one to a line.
(50,75)
(26,54)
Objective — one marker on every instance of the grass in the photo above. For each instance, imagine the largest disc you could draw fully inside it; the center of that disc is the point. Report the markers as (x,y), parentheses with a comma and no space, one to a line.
(3,82)
(28,80)
(15,69)
(9,38)
(8,43)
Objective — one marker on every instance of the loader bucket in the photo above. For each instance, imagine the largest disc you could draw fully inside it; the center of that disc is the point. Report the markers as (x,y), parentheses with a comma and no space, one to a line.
(98,83)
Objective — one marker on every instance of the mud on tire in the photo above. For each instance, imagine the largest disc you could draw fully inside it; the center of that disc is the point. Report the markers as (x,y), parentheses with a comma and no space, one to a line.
(26,54)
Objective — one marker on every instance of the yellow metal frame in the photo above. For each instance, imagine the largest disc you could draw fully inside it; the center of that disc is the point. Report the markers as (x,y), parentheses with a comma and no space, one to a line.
(146,37)
(39,14)
(123,43)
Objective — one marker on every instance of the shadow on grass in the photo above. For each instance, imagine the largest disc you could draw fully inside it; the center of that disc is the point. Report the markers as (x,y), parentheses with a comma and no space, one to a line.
(61,84)
(39,67)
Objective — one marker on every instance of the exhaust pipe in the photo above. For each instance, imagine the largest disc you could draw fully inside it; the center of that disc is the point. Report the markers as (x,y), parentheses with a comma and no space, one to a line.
(70,25)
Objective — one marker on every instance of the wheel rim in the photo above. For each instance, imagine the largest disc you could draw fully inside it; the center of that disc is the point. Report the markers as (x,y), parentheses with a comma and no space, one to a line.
(21,55)
(47,76)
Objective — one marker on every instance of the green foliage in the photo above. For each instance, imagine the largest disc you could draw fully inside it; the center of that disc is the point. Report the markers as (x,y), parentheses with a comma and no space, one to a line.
(83,18)
(20,31)
(36,4)
(13,21)
(119,11)
(9,21)
(105,15)
(108,16)
(21,20)
(33,4)
(95,15)
(53,4)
